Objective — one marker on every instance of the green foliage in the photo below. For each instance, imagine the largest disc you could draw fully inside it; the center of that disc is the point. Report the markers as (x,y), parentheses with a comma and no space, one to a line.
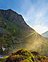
(3,59)
(22,55)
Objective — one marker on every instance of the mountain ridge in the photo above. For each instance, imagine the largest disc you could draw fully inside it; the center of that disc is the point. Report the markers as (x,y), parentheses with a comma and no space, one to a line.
(45,34)
(16,34)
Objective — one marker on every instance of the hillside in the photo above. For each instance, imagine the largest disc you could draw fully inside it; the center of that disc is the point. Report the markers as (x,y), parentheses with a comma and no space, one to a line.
(16,34)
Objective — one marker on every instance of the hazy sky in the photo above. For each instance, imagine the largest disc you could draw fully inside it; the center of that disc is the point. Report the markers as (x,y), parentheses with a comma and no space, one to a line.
(35,12)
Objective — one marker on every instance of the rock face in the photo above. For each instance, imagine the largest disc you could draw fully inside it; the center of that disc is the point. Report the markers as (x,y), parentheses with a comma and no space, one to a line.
(16,34)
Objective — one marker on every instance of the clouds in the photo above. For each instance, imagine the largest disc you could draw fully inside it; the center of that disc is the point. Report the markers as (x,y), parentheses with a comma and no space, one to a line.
(40,28)
(35,12)
(37,15)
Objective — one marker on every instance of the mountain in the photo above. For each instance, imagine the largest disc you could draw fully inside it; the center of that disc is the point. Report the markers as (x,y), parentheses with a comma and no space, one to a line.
(16,34)
(45,34)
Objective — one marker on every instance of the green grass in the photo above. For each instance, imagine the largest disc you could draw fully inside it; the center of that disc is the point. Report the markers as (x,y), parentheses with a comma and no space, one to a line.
(3,59)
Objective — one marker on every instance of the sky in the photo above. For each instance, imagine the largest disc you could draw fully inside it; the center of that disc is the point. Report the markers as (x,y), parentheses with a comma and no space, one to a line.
(35,12)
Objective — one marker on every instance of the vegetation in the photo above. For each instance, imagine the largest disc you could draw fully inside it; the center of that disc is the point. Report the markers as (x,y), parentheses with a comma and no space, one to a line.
(16,34)
(24,55)
(3,59)
(12,30)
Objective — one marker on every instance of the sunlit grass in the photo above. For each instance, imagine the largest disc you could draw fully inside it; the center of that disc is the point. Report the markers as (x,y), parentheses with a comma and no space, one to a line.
(36,42)
(2,59)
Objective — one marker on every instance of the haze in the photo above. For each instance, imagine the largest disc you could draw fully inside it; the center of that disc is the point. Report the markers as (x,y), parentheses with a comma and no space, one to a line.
(35,12)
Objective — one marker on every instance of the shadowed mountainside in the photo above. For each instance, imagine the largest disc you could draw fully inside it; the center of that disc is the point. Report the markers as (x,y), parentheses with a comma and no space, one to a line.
(16,34)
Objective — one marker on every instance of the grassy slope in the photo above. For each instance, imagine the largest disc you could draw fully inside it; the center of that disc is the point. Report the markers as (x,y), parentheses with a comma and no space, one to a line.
(17,34)
(12,32)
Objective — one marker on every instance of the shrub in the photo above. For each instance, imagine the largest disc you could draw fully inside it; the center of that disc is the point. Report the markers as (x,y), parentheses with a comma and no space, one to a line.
(22,55)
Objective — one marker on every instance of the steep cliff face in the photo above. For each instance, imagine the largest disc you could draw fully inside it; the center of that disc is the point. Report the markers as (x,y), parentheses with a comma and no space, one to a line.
(15,33)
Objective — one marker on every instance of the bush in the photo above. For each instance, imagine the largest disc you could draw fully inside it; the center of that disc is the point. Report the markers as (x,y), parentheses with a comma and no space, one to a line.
(20,56)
